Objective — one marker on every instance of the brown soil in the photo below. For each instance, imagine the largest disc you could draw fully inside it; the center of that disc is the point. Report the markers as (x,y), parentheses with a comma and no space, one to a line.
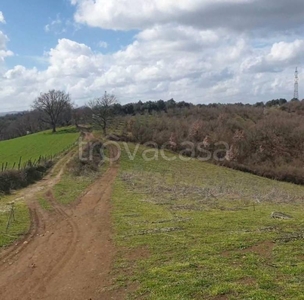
(136,254)
(264,249)
(247,281)
(69,252)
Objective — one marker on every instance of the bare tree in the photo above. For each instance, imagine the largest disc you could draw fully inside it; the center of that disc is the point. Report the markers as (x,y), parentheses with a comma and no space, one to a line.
(52,105)
(102,110)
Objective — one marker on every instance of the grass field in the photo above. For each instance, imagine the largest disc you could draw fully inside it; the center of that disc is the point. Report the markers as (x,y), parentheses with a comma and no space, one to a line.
(32,146)
(192,230)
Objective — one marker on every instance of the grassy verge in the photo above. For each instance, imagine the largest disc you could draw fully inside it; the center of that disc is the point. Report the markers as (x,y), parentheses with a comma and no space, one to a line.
(45,204)
(192,230)
(70,187)
(18,227)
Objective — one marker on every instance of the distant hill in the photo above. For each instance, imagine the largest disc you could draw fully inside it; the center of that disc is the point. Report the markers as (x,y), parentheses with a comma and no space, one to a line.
(2,114)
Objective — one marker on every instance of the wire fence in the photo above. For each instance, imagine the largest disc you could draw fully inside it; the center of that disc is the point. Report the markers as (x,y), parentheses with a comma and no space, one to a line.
(41,160)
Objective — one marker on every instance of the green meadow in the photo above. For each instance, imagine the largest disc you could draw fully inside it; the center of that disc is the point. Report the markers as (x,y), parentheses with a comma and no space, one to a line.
(193,230)
(186,229)
(33,146)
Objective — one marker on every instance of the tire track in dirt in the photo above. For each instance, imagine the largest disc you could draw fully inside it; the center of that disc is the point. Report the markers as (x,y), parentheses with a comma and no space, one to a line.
(71,245)
(61,259)
(40,221)
(37,223)
(73,256)
(40,224)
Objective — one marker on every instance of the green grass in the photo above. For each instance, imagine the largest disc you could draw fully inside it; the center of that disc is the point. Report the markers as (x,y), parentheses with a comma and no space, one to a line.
(206,232)
(70,187)
(18,227)
(32,146)
(45,204)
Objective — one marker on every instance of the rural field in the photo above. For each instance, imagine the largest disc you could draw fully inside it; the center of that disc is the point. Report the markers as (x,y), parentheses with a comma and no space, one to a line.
(150,228)
(192,230)
(152,150)
(33,146)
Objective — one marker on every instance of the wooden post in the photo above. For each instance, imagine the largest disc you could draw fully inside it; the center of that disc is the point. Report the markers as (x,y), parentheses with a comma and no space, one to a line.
(11,215)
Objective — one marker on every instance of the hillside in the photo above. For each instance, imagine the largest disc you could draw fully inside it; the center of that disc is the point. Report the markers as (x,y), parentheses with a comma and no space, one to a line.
(179,229)
(31,147)
(193,230)
(2,114)
(261,139)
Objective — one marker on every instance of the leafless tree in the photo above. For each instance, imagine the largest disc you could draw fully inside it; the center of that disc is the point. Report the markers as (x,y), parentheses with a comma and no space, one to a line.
(52,105)
(102,110)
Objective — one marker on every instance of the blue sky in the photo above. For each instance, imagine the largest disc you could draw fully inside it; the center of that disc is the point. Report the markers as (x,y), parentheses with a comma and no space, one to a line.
(26,23)
(201,51)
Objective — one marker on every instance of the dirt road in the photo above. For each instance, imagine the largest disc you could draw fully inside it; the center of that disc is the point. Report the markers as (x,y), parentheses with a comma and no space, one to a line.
(68,253)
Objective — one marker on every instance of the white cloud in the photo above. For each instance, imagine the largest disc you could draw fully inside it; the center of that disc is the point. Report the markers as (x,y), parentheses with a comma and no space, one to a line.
(103,44)
(54,26)
(183,37)
(152,67)
(60,26)
(287,52)
(2,20)
(235,14)
(3,48)
(190,50)
(277,58)
(3,40)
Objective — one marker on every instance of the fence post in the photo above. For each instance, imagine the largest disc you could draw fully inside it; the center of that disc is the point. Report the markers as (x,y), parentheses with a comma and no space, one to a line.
(11,215)
(19,164)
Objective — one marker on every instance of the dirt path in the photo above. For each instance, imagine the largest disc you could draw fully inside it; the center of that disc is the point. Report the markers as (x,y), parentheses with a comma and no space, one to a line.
(69,253)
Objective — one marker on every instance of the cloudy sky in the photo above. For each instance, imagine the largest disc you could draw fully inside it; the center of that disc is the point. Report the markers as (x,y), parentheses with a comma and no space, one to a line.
(200,51)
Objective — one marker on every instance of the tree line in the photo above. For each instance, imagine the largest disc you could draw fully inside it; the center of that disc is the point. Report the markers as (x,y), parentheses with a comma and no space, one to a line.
(55,108)
(264,138)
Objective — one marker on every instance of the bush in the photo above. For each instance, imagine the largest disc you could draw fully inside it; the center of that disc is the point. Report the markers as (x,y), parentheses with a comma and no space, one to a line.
(285,173)
(17,179)
(90,160)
